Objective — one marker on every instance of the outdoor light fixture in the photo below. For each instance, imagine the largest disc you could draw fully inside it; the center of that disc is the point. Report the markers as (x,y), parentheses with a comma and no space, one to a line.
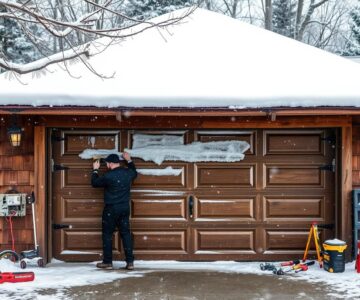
(14,133)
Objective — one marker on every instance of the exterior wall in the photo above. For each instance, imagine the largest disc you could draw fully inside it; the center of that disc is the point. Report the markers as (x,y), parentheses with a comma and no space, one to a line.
(17,164)
(17,172)
(356,157)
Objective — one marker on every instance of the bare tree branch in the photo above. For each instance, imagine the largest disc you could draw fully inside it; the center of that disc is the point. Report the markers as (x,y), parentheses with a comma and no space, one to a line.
(311,9)
(41,64)
(69,31)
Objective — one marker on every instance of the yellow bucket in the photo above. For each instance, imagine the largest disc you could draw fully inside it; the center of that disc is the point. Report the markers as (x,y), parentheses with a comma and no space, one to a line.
(334,256)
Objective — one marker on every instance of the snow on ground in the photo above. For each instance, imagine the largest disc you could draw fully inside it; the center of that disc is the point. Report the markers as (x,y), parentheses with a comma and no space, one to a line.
(59,276)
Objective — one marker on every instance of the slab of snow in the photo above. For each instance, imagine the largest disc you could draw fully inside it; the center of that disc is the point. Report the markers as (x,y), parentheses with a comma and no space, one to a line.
(165,148)
(98,153)
(208,60)
(59,275)
(159,192)
(226,151)
(77,252)
(145,140)
(168,171)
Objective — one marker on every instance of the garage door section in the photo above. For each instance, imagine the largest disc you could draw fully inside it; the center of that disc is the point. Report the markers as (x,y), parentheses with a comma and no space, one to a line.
(257,209)
(76,206)
(298,187)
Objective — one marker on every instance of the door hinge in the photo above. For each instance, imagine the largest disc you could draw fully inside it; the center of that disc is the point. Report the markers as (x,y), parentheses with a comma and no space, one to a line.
(56,167)
(330,139)
(331,167)
(61,226)
(57,138)
(60,168)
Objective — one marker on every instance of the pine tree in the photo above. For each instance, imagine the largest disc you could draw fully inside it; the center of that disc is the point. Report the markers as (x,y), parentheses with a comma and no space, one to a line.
(284,12)
(353,45)
(147,9)
(14,44)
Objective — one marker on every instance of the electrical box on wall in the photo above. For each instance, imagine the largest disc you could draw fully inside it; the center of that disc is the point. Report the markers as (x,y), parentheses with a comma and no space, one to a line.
(12,205)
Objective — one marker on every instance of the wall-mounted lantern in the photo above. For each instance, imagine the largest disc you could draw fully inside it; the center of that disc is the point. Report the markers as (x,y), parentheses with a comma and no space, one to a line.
(14,133)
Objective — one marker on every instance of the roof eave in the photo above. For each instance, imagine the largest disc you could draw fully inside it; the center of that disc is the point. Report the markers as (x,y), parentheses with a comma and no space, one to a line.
(176,111)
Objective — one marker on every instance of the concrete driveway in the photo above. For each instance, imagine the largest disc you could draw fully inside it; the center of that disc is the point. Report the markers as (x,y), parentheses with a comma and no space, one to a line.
(198,285)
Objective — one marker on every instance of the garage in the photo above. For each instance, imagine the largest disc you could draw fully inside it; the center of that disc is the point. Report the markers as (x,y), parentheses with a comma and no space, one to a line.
(259,208)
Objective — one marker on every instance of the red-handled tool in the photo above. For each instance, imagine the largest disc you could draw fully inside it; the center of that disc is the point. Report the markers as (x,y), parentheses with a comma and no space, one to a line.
(290,263)
(16,276)
(302,268)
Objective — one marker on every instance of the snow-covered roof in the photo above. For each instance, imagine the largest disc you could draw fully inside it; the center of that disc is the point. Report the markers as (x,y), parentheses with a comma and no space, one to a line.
(353,58)
(209,60)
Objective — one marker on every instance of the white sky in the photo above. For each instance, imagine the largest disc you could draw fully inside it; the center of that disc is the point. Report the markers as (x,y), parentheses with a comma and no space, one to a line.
(59,275)
(209,60)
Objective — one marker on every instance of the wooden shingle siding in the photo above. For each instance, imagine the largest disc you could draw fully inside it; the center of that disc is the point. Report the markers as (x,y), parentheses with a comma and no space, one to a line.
(356,157)
(17,172)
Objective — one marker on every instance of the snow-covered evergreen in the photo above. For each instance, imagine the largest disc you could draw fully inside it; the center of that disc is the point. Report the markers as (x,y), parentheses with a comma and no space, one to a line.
(13,43)
(284,12)
(147,9)
(353,45)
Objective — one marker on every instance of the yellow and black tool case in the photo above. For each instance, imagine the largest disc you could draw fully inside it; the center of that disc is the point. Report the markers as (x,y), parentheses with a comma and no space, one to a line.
(334,256)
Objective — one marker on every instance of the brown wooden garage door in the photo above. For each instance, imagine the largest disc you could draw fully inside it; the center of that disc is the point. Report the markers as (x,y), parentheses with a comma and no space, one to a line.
(256,209)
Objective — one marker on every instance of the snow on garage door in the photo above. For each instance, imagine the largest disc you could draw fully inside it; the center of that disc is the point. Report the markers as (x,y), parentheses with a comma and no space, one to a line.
(259,208)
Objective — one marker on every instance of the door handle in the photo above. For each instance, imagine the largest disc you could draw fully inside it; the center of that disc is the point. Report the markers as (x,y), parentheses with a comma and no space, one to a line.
(61,226)
(191,206)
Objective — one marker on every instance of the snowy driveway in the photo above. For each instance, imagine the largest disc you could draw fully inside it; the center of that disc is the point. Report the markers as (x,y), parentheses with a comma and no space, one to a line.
(179,280)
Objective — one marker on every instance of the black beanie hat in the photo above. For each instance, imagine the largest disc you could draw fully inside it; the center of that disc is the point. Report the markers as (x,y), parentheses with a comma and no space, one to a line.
(112,158)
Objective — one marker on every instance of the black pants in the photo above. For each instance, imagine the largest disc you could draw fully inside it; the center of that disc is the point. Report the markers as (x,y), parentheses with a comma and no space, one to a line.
(115,216)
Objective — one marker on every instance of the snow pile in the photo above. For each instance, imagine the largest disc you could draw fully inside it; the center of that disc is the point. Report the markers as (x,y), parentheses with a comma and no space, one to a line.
(160,193)
(160,148)
(228,151)
(145,140)
(98,153)
(59,275)
(168,171)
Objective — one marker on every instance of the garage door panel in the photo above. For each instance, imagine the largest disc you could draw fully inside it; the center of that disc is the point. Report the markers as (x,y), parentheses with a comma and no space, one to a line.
(83,240)
(294,143)
(213,136)
(81,210)
(293,176)
(155,209)
(225,209)
(167,242)
(211,175)
(78,142)
(293,209)
(224,241)
(284,240)
(74,142)
(78,176)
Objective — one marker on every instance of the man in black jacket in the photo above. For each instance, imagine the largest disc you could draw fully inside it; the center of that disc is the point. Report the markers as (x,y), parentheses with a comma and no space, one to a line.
(116,183)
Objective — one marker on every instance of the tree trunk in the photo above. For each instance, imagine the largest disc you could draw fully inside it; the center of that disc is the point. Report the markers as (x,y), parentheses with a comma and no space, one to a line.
(299,11)
(268,14)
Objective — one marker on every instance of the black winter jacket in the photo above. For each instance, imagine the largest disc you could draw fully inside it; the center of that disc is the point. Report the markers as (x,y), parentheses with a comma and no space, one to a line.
(116,184)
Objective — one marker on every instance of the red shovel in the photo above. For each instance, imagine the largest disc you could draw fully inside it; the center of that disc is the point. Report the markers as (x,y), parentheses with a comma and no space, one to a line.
(16,276)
